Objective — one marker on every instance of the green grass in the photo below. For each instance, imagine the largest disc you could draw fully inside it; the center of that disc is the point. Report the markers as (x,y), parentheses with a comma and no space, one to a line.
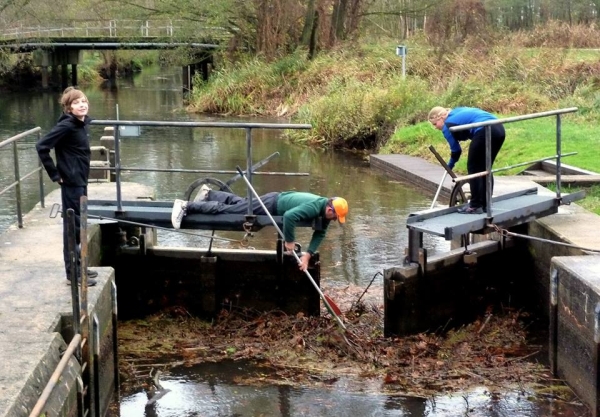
(526,141)
(356,97)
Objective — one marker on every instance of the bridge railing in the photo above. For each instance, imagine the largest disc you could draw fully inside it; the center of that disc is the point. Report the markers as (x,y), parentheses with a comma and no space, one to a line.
(111,29)
(17,175)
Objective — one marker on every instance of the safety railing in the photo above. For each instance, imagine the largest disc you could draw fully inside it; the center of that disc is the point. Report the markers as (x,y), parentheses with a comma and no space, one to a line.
(488,148)
(116,124)
(112,28)
(17,175)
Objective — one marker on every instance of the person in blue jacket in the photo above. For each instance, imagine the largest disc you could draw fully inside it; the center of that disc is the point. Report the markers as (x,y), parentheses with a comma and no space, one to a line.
(443,119)
(70,140)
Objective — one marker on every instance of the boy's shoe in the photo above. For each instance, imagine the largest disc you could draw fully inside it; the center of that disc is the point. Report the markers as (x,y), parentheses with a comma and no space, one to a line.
(92,274)
(470,210)
(179,209)
(203,193)
(90,282)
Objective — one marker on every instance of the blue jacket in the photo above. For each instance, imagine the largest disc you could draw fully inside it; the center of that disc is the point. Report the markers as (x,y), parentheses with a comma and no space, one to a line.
(462,116)
(71,144)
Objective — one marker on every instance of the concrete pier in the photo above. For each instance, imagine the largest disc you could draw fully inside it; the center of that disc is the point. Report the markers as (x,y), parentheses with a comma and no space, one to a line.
(36,313)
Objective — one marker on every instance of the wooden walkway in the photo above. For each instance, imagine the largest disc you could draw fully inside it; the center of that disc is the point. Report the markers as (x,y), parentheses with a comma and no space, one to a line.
(516,200)
(415,171)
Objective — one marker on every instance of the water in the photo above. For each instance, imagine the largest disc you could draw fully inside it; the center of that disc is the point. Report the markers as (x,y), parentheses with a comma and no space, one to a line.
(221,390)
(373,239)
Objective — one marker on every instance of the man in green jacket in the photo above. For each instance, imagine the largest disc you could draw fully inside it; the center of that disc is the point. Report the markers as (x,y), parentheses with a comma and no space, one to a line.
(294,206)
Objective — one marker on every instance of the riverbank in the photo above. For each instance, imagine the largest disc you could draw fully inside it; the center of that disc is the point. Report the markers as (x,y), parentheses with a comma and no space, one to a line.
(359,99)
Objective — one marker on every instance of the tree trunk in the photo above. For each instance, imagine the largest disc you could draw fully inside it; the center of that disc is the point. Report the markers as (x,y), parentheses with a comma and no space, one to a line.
(338,18)
(312,49)
(309,23)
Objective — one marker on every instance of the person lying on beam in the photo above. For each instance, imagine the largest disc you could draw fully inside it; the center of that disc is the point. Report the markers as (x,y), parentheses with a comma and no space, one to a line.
(292,205)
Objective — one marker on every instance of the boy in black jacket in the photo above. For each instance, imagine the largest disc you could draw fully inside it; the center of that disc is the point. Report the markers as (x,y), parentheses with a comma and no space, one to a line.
(70,140)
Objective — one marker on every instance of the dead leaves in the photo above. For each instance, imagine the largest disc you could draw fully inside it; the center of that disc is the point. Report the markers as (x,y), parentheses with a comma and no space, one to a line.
(314,350)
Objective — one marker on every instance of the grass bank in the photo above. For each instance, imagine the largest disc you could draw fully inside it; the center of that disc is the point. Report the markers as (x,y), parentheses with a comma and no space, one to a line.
(358,98)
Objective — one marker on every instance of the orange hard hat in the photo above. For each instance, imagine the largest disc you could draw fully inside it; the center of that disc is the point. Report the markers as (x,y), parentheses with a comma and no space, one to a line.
(340,206)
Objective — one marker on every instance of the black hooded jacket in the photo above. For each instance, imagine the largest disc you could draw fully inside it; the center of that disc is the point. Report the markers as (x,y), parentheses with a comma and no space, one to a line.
(70,140)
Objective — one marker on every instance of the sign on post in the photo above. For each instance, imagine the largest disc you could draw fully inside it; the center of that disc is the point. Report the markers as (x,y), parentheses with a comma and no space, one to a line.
(401,51)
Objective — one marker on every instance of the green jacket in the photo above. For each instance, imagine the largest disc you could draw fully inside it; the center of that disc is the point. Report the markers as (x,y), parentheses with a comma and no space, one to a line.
(296,206)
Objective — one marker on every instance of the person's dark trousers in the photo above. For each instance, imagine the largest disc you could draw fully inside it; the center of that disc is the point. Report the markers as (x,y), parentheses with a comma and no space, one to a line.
(218,202)
(70,197)
(476,162)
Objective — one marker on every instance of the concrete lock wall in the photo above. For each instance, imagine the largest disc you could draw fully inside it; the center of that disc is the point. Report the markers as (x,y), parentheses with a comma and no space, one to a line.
(37,326)
(27,349)
(575,325)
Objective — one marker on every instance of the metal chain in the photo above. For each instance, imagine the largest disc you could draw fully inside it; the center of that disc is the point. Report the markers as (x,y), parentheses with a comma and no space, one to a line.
(505,232)
(245,240)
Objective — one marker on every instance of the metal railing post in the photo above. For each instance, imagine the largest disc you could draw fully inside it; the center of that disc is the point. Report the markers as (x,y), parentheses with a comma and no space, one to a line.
(74,276)
(118,168)
(249,166)
(41,177)
(18,184)
(488,168)
(558,154)
(115,335)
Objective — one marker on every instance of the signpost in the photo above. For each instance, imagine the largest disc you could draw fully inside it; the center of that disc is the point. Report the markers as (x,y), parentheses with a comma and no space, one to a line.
(401,51)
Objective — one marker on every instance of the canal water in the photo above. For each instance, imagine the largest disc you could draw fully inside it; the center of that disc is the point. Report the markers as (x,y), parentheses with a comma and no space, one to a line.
(373,239)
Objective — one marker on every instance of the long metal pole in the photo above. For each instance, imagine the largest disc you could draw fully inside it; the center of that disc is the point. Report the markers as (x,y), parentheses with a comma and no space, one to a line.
(312,281)
(558,156)
(439,189)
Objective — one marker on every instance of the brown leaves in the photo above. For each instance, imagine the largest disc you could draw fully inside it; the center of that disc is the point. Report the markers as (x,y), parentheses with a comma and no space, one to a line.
(491,350)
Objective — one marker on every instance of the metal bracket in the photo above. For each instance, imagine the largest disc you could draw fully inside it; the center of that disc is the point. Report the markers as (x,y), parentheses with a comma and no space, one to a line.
(56,208)
(470,258)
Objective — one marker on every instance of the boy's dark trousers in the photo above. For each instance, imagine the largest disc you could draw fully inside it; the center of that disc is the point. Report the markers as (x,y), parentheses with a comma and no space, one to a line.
(71,197)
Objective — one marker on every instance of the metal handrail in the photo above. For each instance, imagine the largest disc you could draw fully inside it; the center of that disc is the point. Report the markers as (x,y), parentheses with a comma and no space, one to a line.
(488,146)
(231,125)
(18,178)
(109,28)
(55,378)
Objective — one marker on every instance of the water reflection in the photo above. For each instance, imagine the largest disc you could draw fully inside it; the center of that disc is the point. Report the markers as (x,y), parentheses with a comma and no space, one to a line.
(374,237)
(220,390)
